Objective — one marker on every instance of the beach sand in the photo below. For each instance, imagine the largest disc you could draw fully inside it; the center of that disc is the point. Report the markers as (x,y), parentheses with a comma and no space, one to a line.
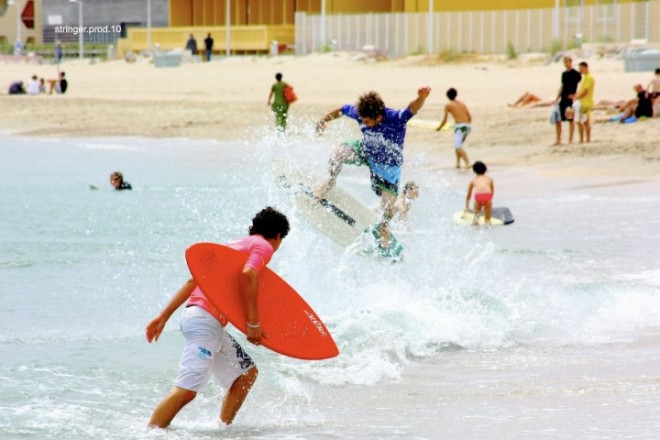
(226,100)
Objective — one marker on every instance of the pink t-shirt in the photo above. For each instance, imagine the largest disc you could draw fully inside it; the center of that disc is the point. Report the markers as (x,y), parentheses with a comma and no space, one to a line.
(259,254)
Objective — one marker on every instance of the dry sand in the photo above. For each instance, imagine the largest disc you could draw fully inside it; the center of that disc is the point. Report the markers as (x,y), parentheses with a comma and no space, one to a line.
(226,99)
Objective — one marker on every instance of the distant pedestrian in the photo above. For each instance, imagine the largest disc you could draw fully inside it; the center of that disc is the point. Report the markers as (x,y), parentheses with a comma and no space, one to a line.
(462,125)
(59,52)
(585,98)
(280,107)
(570,79)
(191,45)
(18,48)
(208,43)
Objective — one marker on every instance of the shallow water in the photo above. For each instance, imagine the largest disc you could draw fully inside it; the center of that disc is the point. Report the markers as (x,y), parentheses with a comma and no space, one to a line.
(511,332)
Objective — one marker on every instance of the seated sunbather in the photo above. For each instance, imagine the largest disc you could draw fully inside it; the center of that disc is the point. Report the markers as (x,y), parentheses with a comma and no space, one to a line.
(529,100)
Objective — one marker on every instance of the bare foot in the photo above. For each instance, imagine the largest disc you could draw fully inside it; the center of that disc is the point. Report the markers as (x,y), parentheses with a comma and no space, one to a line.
(556,144)
(458,165)
(467,166)
(321,191)
(385,238)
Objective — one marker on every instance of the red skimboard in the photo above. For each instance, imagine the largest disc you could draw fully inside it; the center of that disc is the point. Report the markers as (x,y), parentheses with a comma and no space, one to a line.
(292,327)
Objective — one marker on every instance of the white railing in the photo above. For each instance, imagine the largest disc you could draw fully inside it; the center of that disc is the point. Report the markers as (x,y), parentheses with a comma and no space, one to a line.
(532,30)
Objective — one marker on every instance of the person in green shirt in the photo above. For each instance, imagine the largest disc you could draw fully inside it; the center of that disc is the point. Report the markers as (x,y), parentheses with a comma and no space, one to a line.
(279,104)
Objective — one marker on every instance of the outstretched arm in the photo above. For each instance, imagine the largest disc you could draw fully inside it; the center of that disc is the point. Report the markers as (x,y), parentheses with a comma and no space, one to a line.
(469,194)
(444,119)
(422,94)
(334,114)
(156,326)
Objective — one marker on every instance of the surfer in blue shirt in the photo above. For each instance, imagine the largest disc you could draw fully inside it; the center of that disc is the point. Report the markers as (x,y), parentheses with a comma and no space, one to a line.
(381,148)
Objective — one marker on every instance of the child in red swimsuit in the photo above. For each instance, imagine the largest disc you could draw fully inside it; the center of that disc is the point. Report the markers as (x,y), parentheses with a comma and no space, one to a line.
(483,193)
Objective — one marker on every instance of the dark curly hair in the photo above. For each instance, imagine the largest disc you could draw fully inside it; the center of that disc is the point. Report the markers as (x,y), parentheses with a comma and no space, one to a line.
(269,222)
(370,105)
(479,168)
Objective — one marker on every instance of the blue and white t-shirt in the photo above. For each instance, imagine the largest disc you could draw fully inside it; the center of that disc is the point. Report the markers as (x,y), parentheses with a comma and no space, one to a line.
(383,144)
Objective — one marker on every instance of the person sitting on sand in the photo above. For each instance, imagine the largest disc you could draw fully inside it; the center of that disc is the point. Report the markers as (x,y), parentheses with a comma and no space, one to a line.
(404,200)
(634,109)
(117,181)
(16,88)
(484,189)
(33,86)
(462,125)
(59,85)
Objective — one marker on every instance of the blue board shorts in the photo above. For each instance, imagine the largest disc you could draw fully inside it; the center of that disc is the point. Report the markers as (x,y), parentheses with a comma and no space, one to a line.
(209,350)
(383,177)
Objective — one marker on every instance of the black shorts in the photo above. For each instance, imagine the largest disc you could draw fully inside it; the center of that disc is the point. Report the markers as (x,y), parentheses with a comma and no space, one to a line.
(563,105)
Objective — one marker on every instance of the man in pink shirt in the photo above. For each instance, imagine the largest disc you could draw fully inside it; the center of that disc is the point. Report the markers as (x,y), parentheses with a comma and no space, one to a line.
(209,349)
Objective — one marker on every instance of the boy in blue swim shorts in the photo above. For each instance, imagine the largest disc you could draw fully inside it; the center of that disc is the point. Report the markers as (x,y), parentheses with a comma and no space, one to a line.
(462,125)
(380,149)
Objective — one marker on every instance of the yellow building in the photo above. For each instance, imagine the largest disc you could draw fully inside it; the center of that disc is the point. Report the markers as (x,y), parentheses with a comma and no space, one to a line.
(255,12)
(20,19)
(267,12)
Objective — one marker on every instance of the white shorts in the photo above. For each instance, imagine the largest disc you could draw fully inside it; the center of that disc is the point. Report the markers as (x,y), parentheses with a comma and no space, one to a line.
(209,350)
(461,132)
(580,114)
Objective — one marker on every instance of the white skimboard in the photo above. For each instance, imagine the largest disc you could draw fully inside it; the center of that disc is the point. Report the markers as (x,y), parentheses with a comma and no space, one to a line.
(499,217)
(429,124)
(339,215)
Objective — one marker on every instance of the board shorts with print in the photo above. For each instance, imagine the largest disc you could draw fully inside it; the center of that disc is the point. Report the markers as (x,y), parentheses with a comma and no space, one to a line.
(378,182)
(209,350)
(461,132)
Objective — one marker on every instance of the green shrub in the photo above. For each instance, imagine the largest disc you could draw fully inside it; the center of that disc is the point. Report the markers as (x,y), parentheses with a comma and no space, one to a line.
(511,53)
